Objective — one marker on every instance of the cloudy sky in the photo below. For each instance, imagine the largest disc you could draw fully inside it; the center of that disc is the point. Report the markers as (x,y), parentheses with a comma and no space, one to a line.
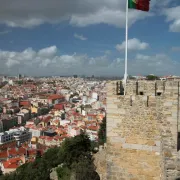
(65,37)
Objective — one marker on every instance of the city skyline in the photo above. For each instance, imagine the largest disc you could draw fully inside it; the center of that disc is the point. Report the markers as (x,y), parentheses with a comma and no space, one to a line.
(60,38)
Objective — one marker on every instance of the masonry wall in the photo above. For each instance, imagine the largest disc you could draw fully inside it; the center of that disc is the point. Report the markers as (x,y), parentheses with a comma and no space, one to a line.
(142,131)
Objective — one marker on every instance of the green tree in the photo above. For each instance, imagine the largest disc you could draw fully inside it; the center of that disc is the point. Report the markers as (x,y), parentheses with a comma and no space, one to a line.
(73,148)
(51,157)
(74,156)
(64,173)
(85,169)
(94,146)
(38,154)
(152,77)
(1,173)
(9,112)
(36,121)
(131,77)
(63,116)
(44,111)
(102,132)
(20,82)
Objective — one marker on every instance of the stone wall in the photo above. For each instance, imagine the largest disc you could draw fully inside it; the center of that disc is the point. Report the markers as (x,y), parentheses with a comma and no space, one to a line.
(142,131)
(100,163)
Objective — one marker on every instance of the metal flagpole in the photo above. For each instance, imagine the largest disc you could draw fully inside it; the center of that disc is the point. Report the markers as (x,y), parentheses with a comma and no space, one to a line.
(126,48)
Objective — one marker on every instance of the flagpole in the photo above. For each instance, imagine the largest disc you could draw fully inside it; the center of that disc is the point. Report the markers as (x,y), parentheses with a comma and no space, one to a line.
(126,48)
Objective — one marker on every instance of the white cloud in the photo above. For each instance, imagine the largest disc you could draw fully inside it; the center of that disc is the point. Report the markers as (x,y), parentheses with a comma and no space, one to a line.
(173,16)
(133,44)
(105,15)
(159,64)
(48,52)
(81,37)
(33,62)
(27,14)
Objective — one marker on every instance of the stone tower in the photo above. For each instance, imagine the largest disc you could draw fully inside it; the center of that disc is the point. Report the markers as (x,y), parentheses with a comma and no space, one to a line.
(142,130)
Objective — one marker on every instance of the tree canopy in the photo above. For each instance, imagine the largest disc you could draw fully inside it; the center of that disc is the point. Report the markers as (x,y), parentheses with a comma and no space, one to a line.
(73,159)
(102,132)
(152,77)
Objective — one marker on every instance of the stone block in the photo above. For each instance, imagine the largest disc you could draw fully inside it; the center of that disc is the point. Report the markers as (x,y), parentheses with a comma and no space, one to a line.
(111,106)
(167,112)
(174,114)
(112,134)
(168,103)
(113,111)
(136,146)
(151,143)
(158,143)
(121,111)
(144,98)
(133,98)
(126,146)
(147,148)
(117,139)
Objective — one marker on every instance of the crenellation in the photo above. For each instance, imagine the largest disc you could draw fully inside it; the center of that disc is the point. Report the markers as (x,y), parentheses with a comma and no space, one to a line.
(142,129)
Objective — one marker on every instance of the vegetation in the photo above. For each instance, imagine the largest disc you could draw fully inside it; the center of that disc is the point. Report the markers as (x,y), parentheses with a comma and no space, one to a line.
(44,111)
(37,121)
(20,82)
(9,112)
(152,77)
(73,159)
(102,132)
(63,116)
(131,77)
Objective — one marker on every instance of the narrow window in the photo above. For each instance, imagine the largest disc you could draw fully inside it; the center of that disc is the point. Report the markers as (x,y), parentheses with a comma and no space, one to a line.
(158,93)
(131,101)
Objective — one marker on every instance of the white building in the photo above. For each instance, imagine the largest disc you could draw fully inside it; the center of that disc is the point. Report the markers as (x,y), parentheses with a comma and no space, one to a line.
(35,132)
(20,135)
(94,95)
(6,137)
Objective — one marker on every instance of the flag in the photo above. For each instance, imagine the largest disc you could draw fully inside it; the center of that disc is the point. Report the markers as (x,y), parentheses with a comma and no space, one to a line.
(142,5)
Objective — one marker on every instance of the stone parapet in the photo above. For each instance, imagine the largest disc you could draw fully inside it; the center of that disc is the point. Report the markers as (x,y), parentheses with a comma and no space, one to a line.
(142,131)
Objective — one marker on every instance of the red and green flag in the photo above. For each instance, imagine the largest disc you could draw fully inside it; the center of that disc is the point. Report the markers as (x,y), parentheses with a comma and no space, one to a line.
(142,5)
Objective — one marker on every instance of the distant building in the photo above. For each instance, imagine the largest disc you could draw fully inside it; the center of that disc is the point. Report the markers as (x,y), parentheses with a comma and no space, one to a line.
(35,132)
(11,165)
(50,133)
(6,137)
(9,122)
(55,99)
(19,76)
(20,135)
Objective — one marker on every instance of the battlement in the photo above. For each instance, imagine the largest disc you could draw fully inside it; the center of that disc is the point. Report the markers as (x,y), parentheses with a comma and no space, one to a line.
(142,130)
(149,88)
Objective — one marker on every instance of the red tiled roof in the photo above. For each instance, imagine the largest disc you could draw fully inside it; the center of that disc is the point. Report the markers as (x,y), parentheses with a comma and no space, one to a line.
(59,106)
(47,119)
(12,163)
(10,144)
(17,151)
(93,128)
(55,96)
(3,155)
(25,103)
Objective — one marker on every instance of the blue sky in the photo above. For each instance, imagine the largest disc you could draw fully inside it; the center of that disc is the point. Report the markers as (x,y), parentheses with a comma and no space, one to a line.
(61,38)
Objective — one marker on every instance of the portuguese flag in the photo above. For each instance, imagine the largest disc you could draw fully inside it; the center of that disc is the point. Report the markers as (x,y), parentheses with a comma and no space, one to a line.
(142,5)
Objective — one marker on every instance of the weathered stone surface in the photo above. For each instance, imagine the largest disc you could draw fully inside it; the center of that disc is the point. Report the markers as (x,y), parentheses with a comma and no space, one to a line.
(143,146)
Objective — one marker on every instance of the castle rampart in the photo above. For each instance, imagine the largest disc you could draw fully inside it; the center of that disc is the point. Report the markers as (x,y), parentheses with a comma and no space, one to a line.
(142,130)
